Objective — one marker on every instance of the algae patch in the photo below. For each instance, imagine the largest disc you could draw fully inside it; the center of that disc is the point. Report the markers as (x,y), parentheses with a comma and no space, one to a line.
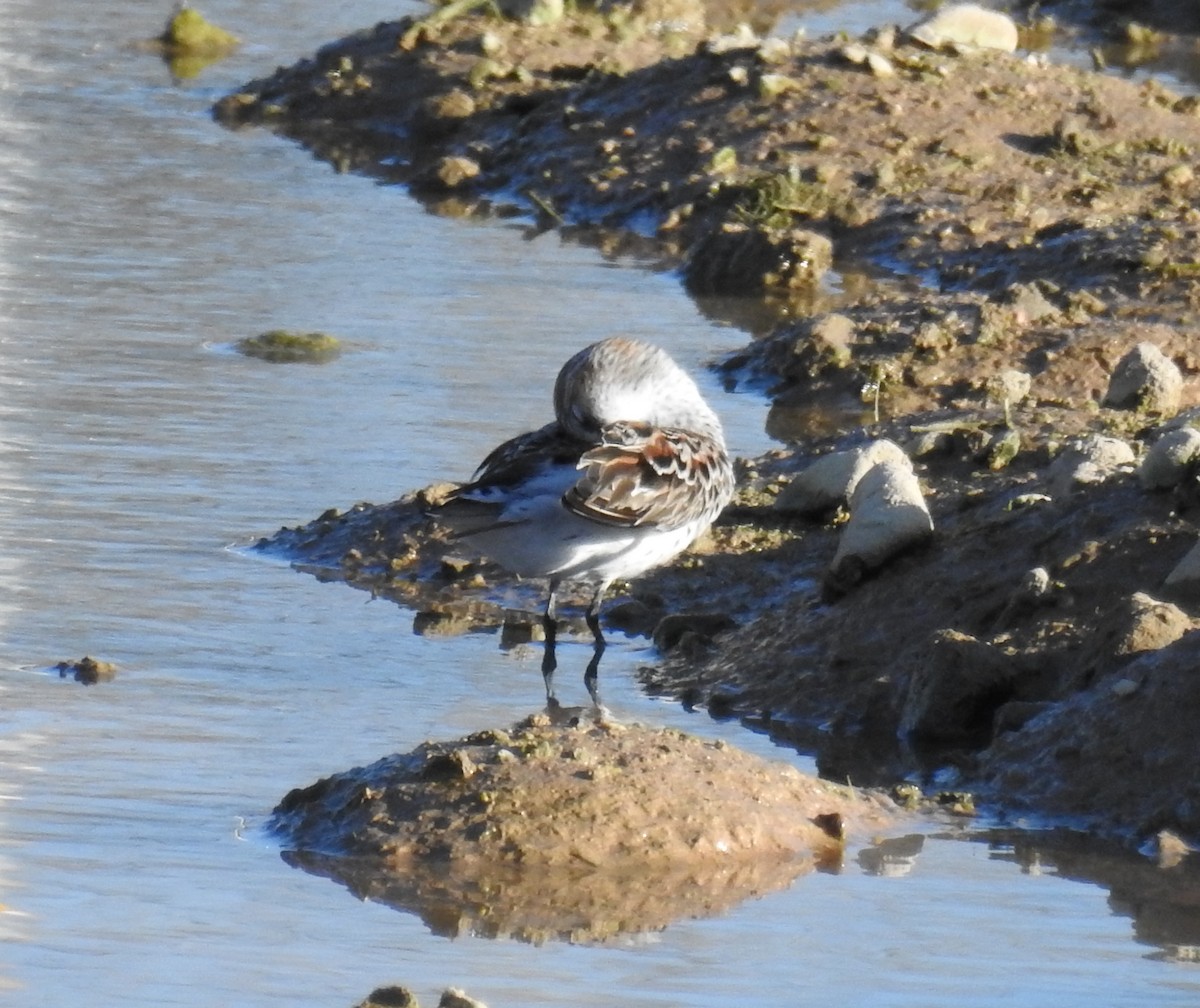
(283,346)
(189,33)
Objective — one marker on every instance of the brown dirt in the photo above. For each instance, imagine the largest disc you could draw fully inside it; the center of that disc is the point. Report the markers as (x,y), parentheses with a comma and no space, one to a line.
(569,830)
(986,213)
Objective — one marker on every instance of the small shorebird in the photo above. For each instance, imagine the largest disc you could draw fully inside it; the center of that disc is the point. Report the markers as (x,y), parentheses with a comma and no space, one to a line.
(630,472)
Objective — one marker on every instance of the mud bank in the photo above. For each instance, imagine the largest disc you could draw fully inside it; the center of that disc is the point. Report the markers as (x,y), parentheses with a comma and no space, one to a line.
(1026,226)
(561,828)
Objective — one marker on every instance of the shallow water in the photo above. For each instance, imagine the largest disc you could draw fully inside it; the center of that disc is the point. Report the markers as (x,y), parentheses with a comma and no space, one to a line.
(139,240)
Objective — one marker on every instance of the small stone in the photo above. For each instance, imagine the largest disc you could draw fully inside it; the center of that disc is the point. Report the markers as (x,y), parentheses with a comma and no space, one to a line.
(1089,460)
(1145,379)
(772,85)
(742,37)
(967,25)
(452,997)
(88,671)
(390,997)
(454,170)
(1030,305)
(1171,459)
(1170,848)
(855,53)
(1178,176)
(1009,387)
(454,104)
(880,65)
(671,630)
(832,336)
(774,50)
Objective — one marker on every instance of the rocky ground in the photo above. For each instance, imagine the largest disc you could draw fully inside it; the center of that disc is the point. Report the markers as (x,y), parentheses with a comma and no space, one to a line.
(1006,232)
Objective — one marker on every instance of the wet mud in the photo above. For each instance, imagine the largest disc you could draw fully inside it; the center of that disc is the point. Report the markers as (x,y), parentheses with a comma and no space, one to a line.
(571,829)
(1005,232)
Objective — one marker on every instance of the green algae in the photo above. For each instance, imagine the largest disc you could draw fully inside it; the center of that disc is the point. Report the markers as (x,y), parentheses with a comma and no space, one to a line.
(282,346)
(189,33)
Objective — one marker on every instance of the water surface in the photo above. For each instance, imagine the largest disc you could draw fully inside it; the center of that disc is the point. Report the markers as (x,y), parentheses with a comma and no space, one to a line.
(138,241)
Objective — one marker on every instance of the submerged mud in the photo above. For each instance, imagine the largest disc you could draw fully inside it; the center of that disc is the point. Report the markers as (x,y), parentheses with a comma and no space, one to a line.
(1031,225)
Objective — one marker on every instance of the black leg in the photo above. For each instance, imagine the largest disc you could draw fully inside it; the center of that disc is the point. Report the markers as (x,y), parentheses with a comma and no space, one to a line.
(549,658)
(593,615)
(591,677)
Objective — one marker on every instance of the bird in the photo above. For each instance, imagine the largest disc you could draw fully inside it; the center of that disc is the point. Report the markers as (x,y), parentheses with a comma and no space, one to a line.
(630,472)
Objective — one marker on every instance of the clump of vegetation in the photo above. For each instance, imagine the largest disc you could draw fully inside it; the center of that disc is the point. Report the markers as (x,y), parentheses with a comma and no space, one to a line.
(282,346)
(189,33)
(189,43)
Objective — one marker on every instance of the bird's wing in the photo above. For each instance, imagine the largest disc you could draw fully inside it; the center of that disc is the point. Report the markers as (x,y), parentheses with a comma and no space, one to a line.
(658,476)
(521,460)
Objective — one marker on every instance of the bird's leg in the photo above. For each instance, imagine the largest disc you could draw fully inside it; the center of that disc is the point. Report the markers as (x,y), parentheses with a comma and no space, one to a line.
(549,659)
(593,615)
(591,677)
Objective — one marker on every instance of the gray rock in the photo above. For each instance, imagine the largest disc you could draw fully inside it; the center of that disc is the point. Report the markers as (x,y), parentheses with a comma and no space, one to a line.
(1145,379)
(1087,461)
(1170,459)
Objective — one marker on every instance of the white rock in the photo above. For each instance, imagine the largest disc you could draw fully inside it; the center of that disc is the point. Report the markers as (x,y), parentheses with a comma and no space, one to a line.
(1170,459)
(831,480)
(880,65)
(742,37)
(887,514)
(969,25)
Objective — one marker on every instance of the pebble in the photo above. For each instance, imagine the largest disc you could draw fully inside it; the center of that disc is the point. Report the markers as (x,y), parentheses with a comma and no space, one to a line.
(742,37)
(968,26)
(1009,387)
(1170,459)
(453,171)
(1145,379)
(452,997)
(390,997)
(1089,460)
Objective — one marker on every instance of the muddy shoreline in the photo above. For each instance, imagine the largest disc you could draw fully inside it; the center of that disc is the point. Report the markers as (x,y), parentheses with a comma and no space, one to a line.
(1018,229)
